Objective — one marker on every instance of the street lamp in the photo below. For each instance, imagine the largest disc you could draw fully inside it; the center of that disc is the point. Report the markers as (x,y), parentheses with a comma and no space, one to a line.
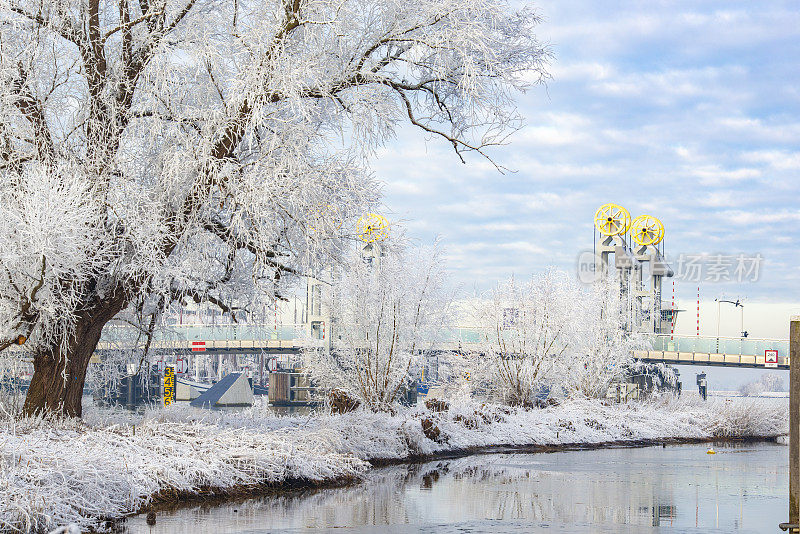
(738,304)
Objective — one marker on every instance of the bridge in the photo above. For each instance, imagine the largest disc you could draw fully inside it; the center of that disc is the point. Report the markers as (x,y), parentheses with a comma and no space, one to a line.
(715,351)
(291,339)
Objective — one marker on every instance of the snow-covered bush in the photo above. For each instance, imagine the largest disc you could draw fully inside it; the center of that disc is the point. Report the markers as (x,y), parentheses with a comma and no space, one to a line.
(526,329)
(661,374)
(603,349)
(385,313)
(767,382)
(550,335)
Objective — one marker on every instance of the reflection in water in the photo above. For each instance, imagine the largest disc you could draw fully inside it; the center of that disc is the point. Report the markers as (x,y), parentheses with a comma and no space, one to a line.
(672,489)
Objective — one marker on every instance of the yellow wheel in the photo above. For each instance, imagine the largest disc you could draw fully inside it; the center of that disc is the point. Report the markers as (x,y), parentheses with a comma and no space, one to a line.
(324,213)
(372,227)
(611,219)
(647,230)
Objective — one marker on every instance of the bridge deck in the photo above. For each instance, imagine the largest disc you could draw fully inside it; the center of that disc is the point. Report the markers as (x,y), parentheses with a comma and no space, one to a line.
(754,361)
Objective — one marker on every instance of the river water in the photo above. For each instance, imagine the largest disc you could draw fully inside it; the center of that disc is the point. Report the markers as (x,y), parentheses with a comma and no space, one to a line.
(742,488)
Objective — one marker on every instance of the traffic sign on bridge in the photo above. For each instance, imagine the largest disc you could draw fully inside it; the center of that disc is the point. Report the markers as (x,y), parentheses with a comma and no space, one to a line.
(770,358)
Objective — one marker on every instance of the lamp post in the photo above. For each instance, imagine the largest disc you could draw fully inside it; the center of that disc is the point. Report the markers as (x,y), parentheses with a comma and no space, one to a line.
(738,304)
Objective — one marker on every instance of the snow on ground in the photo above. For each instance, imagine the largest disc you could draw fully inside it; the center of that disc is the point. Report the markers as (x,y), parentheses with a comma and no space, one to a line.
(112,464)
(57,473)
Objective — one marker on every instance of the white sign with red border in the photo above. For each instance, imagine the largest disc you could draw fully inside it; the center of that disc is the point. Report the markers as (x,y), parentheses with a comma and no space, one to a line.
(272,365)
(770,358)
(198,346)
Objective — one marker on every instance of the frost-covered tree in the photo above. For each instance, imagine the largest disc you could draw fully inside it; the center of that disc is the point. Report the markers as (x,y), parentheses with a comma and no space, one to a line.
(159,150)
(603,349)
(767,382)
(549,334)
(526,329)
(385,313)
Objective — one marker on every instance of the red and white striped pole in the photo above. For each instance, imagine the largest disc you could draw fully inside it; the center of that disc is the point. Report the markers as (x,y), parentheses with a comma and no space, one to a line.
(698,311)
(672,315)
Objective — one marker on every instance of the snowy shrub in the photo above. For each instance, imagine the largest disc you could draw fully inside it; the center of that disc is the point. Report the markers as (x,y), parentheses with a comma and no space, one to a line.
(662,375)
(768,382)
(526,329)
(603,348)
(549,336)
(386,312)
(733,418)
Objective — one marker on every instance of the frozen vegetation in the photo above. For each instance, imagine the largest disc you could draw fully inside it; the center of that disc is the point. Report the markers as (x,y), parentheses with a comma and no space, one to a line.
(110,465)
(767,383)
(159,153)
(56,472)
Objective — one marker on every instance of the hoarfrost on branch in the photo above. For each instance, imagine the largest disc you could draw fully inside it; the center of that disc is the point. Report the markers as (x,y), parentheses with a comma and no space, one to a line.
(156,151)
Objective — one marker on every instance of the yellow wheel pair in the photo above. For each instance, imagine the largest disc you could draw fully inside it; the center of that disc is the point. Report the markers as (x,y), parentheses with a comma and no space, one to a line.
(612,219)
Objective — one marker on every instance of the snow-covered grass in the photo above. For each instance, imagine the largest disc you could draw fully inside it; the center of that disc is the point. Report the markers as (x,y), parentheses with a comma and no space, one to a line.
(53,473)
(113,464)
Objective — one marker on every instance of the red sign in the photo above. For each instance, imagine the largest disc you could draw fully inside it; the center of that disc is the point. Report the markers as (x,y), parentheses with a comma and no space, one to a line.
(770,358)
(198,346)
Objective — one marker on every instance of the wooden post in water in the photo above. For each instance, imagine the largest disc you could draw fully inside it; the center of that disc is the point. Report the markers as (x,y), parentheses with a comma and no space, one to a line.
(794,426)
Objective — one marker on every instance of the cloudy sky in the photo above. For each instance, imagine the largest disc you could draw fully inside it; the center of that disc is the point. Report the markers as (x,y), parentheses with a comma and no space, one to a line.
(688,111)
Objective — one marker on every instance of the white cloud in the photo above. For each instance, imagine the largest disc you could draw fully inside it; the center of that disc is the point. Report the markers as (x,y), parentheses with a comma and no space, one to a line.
(714,175)
(777,159)
(581,72)
(760,218)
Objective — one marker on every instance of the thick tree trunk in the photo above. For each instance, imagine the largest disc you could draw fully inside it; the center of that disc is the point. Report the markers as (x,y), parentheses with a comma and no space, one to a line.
(59,372)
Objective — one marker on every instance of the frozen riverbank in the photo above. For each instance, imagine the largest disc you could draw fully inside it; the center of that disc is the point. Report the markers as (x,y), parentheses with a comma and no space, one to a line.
(112,465)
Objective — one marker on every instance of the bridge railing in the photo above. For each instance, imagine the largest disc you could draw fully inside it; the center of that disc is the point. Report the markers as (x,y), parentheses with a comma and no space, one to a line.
(260,332)
(201,332)
(719,345)
(450,337)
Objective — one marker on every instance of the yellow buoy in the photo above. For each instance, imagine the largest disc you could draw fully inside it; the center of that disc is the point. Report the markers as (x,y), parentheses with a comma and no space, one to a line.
(711,451)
